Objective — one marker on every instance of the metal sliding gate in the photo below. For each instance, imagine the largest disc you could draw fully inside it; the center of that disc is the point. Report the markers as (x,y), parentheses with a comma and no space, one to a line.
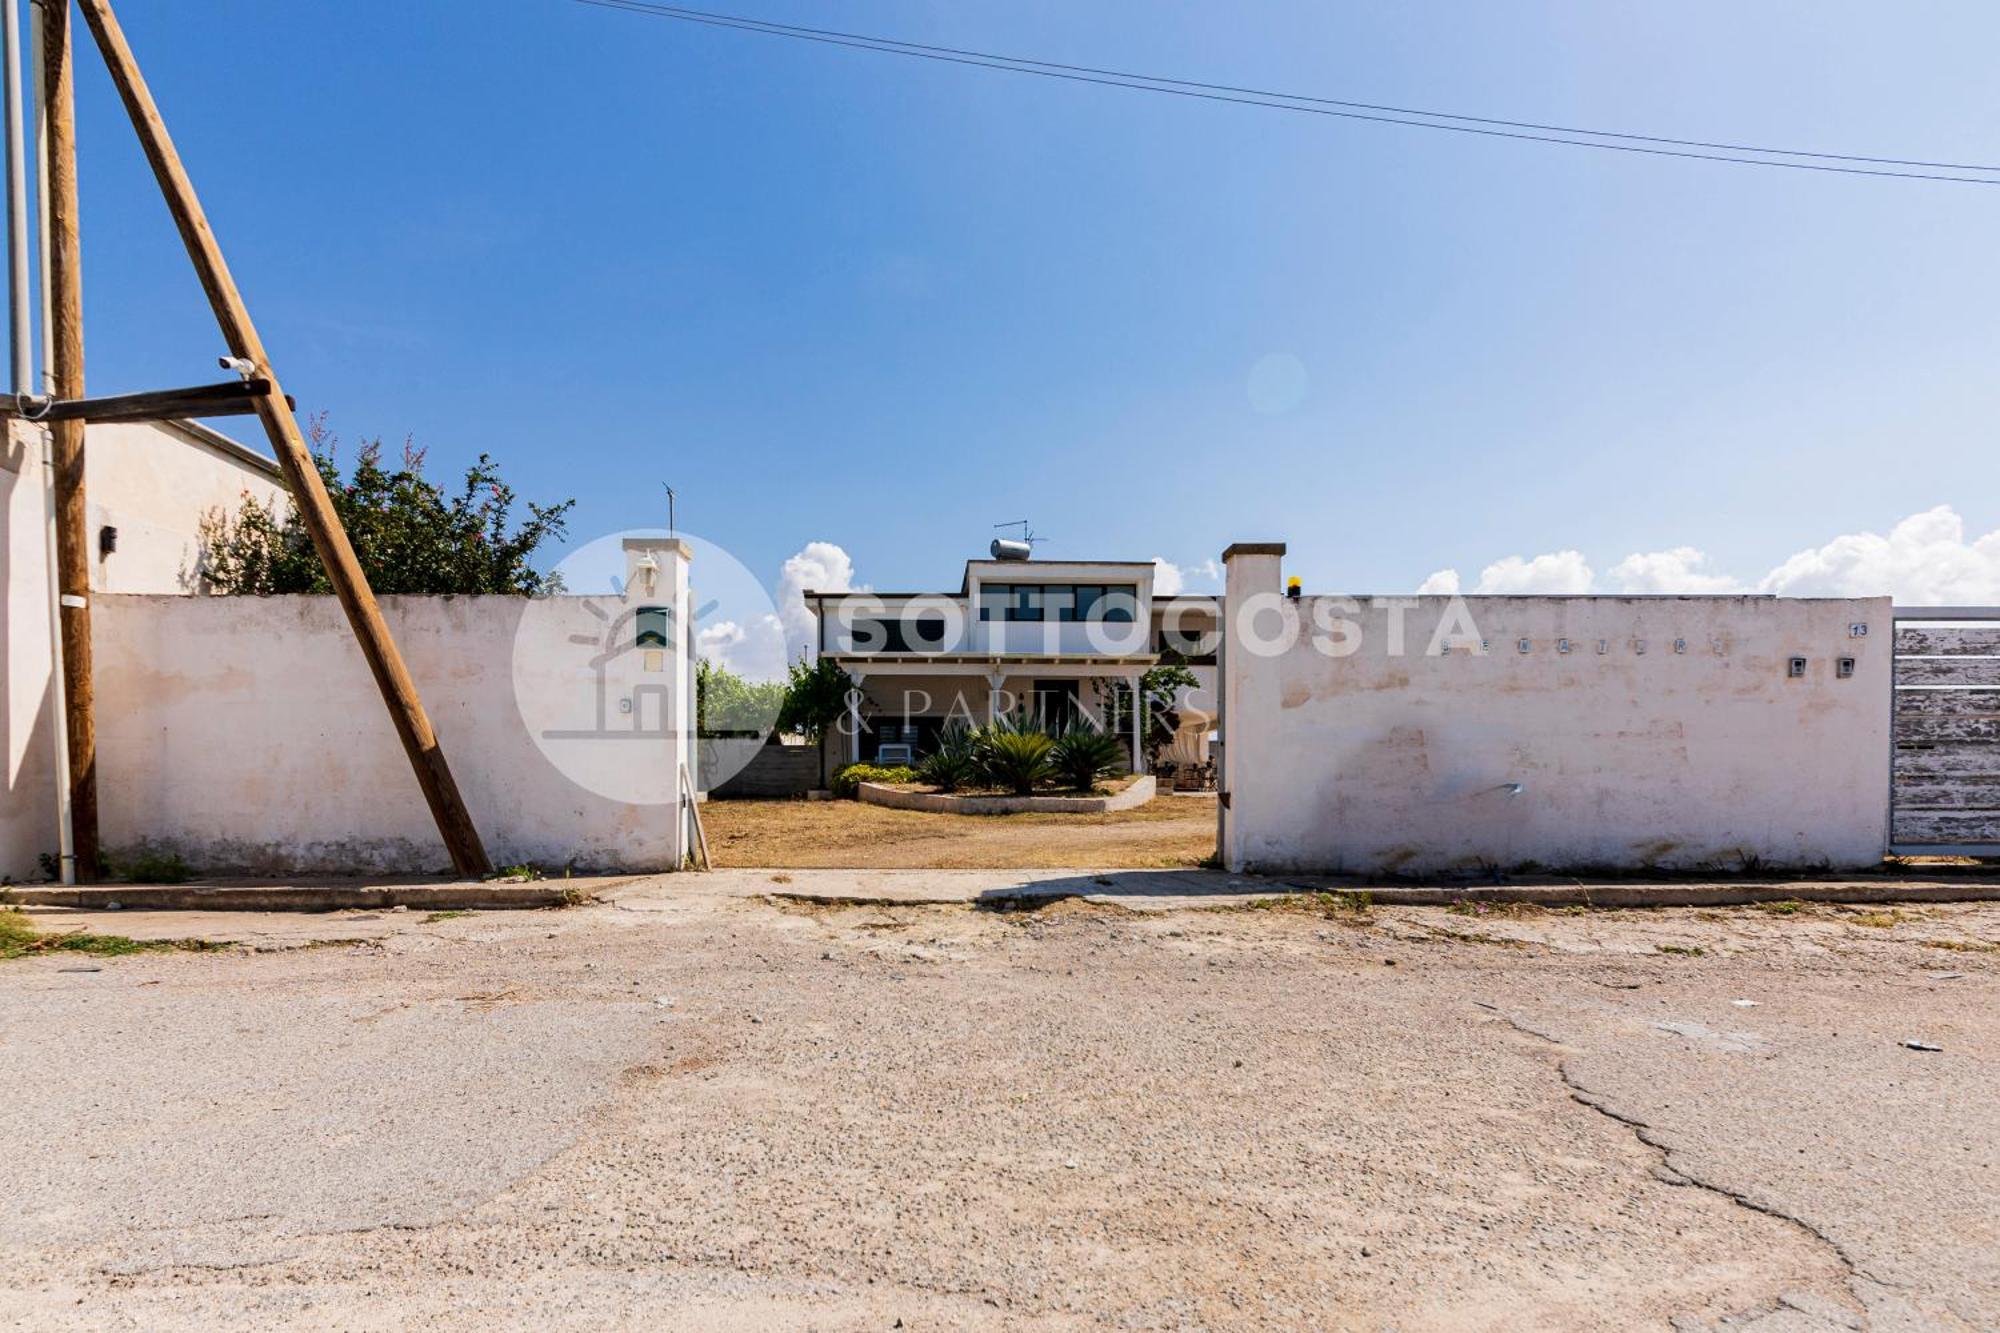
(1945,781)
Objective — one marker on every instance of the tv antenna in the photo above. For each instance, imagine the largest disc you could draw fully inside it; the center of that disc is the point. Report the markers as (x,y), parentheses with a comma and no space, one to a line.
(1027,533)
(670,510)
(1016,548)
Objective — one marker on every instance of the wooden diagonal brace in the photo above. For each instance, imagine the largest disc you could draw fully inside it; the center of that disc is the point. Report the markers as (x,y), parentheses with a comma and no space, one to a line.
(406,710)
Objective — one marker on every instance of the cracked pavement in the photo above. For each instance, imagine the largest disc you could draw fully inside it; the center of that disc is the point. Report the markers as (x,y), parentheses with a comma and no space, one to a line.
(686,1108)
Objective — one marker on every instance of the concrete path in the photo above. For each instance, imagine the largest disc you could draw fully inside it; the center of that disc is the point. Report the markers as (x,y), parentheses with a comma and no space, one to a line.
(1139,890)
(1173,890)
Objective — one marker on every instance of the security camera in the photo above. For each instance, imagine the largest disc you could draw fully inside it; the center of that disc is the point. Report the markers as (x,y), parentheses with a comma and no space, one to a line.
(242,365)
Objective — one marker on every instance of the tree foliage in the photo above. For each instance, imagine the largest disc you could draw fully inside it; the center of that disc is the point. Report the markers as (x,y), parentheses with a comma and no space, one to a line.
(408,534)
(815,697)
(1160,688)
(727,704)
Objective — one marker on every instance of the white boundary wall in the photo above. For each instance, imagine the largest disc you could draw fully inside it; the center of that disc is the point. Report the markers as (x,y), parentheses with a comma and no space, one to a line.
(152,482)
(1342,755)
(247,735)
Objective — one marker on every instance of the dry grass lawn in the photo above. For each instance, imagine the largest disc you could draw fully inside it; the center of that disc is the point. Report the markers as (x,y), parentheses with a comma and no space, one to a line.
(1166,832)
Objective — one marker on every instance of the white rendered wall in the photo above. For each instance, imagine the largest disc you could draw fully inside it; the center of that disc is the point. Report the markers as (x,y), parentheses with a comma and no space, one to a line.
(27,781)
(1377,762)
(153,482)
(247,735)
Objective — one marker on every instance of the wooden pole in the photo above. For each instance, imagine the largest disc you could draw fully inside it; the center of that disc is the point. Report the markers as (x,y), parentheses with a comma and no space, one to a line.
(65,278)
(454,823)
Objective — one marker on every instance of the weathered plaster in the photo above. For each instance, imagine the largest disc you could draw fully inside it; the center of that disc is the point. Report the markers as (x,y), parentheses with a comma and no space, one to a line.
(1639,755)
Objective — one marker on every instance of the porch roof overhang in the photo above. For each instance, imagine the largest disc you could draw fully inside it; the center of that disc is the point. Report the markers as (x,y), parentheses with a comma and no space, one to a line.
(952,664)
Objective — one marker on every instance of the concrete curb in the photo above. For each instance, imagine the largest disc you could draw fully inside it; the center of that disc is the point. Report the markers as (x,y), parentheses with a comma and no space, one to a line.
(1662,895)
(1140,792)
(1194,898)
(284,898)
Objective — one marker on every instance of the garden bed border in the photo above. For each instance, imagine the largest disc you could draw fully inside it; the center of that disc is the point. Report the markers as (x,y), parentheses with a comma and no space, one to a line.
(1141,791)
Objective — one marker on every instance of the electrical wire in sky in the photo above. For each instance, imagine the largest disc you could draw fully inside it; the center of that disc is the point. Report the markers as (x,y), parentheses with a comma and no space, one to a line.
(1748,155)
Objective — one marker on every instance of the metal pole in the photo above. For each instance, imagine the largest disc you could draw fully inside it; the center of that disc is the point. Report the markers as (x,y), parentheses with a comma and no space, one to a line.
(48,360)
(20,328)
(58,697)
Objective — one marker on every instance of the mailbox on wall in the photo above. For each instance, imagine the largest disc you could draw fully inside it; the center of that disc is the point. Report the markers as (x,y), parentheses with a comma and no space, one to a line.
(654,634)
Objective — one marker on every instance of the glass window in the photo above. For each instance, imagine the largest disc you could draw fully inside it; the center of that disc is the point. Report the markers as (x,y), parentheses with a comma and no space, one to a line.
(1194,646)
(994,599)
(1119,605)
(1084,597)
(1027,604)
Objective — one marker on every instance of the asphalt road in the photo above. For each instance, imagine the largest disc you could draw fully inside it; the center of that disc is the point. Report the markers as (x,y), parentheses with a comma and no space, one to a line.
(696,1110)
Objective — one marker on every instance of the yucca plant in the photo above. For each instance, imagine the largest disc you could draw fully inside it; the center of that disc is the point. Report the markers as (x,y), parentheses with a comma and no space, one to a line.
(1014,753)
(954,763)
(1082,755)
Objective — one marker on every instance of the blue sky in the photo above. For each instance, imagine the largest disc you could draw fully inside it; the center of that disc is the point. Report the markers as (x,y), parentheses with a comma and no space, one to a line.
(885,304)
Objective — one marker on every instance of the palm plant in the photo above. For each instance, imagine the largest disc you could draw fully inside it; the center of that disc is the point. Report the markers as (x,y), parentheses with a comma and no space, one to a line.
(1014,753)
(954,763)
(1083,754)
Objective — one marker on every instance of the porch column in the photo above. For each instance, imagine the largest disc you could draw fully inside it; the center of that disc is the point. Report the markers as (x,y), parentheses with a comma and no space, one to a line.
(854,717)
(1138,726)
(994,680)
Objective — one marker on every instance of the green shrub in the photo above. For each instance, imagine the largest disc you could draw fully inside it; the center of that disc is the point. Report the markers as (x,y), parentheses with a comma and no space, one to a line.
(955,762)
(848,778)
(1082,755)
(1017,759)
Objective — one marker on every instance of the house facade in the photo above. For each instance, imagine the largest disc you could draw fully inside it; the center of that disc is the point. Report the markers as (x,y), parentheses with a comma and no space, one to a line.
(1060,640)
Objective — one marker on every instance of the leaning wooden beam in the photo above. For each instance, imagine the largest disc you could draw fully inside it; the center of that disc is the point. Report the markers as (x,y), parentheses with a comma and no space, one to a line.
(237,399)
(308,492)
(64,276)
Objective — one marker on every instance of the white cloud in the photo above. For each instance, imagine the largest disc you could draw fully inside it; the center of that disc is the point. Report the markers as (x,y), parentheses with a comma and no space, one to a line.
(1678,570)
(1170,579)
(1556,572)
(1443,583)
(817,567)
(756,651)
(1925,560)
(712,641)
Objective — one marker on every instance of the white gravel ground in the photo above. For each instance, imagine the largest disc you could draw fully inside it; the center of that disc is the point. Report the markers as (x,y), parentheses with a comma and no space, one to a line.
(704,1111)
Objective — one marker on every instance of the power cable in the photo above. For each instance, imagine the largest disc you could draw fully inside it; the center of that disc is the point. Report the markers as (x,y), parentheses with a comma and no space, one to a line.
(1321,106)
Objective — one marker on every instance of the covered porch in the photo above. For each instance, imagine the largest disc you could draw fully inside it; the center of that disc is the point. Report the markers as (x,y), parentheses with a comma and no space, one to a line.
(896,711)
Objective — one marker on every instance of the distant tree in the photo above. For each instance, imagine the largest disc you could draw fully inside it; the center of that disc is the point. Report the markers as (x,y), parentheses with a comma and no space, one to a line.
(1160,688)
(409,536)
(815,698)
(727,704)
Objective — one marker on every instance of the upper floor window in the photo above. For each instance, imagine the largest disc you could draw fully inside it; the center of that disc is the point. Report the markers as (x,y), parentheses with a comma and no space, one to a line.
(1194,645)
(914,634)
(1115,602)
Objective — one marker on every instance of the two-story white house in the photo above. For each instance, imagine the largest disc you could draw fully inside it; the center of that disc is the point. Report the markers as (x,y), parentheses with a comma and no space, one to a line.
(1059,639)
